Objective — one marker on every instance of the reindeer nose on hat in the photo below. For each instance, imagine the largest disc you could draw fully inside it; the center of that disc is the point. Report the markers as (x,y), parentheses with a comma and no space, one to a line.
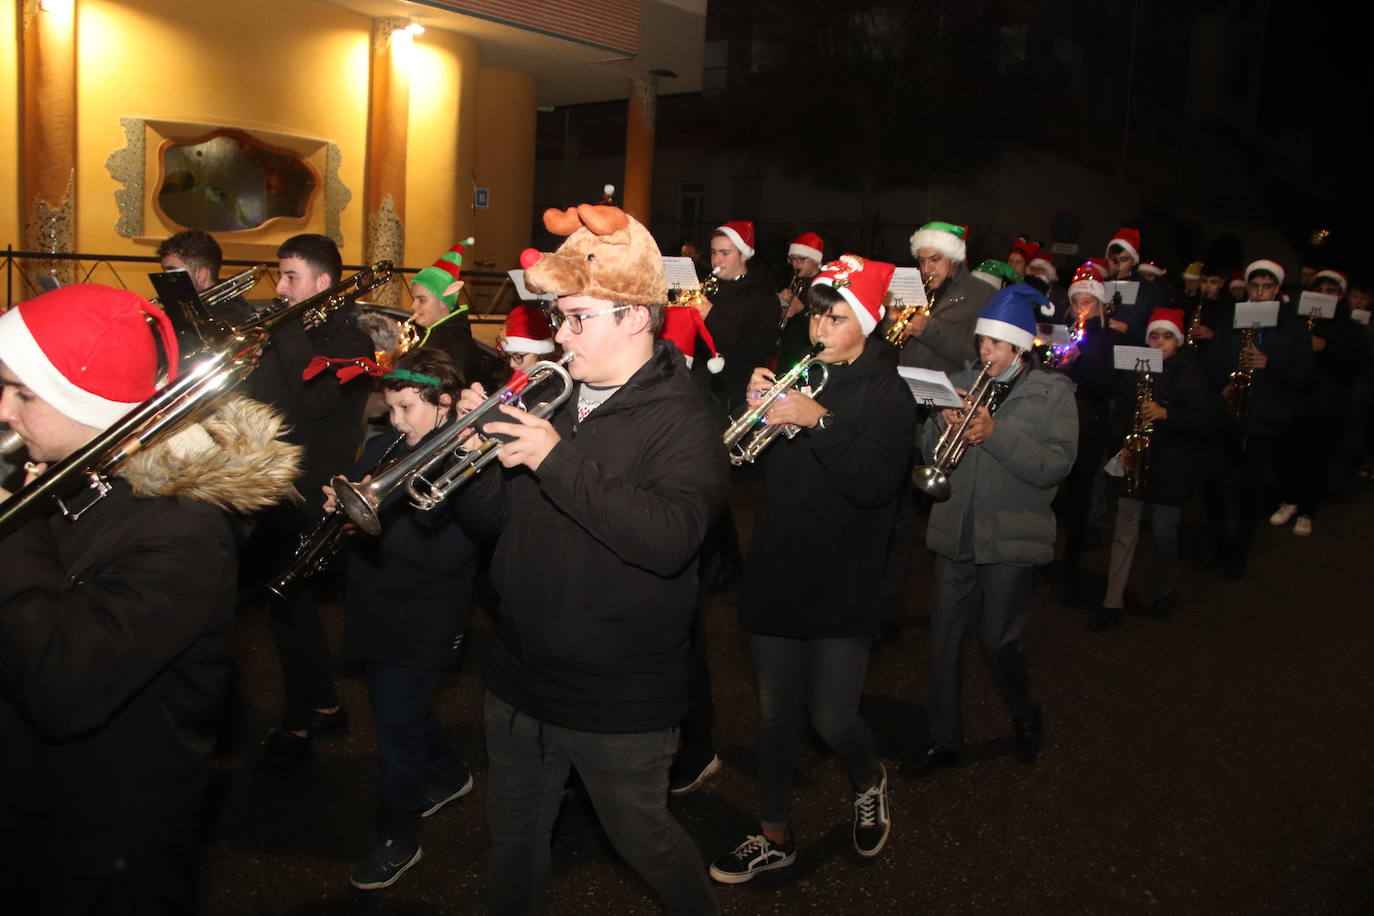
(530,257)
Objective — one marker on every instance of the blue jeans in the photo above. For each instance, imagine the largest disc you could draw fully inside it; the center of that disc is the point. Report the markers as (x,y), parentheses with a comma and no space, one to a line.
(626,777)
(826,676)
(412,753)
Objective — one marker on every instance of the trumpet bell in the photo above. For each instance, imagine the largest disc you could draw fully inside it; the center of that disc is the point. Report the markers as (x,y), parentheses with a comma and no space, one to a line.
(931,481)
(360,503)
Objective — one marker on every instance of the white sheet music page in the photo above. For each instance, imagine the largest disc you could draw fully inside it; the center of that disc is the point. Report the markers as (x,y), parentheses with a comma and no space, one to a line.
(930,387)
(681,273)
(1256,314)
(517,276)
(907,286)
(1138,359)
(1129,290)
(1323,305)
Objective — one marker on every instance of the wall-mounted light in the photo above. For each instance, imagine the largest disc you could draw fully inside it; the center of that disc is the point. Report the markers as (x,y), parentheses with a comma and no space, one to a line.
(415,28)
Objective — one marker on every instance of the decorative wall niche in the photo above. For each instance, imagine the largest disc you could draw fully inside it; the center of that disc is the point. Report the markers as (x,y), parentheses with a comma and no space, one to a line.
(241,184)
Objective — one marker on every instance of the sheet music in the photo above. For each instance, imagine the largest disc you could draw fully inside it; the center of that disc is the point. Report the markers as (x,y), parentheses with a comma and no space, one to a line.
(930,387)
(1360,315)
(1136,359)
(681,273)
(517,277)
(907,286)
(1129,289)
(1323,305)
(1250,314)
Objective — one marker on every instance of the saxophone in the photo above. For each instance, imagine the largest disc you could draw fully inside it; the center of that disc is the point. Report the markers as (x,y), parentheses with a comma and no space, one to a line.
(1137,444)
(1242,376)
(896,335)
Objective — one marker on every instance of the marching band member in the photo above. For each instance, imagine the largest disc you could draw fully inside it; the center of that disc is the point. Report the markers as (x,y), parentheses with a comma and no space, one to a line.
(1091,368)
(1123,259)
(114,623)
(609,499)
(811,627)
(197,253)
(444,321)
(327,419)
(805,255)
(1184,412)
(742,316)
(409,593)
(1023,251)
(995,274)
(996,527)
(941,339)
(1279,363)
(526,337)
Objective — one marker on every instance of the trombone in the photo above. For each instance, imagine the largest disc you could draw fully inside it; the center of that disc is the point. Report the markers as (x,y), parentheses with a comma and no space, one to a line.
(209,373)
(759,437)
(362,502)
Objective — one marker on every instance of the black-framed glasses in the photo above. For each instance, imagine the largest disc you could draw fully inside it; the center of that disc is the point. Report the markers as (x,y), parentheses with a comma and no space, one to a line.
(556,318)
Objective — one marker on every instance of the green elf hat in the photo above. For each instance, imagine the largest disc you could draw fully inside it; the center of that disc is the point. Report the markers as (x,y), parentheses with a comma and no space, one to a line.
(946,238)
(442,277)
(996,274)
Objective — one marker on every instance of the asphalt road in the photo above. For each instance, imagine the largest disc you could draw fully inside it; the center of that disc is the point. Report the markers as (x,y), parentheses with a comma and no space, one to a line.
(1217,762)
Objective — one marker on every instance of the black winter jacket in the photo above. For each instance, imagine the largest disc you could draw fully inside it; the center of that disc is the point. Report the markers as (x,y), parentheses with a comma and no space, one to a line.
(410,588)
(816,558)
(114,659)
(1185,446)
(596,561)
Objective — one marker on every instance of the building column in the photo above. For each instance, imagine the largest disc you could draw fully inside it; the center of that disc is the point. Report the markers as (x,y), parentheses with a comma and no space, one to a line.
(48,168)
(639,147)
(384,194)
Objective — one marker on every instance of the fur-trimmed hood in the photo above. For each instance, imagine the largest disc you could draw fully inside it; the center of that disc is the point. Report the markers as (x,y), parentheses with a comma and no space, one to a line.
(234,459)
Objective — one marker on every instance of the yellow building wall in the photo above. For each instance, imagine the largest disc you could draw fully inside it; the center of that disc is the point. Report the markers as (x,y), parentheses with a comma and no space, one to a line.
(10,230)
(297,67)
(506,112)
(440,152)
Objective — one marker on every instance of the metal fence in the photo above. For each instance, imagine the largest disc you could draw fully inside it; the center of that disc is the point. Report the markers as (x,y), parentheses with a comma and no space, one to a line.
(488,293)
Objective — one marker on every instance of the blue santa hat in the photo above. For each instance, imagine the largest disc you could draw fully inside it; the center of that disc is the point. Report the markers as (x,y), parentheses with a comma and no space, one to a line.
(1010,315)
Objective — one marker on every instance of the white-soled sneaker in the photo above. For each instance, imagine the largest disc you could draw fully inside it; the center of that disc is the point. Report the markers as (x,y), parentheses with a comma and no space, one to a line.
(1283,514)
(872,823)
(756,854)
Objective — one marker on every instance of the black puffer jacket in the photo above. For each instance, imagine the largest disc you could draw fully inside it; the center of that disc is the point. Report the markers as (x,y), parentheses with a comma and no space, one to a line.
(596,562)
(815,562)
(410,588)
(114,635)
(743,321)
(1185,446)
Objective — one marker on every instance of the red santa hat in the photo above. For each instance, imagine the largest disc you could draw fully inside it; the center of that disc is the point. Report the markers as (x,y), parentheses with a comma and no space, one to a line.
(740,232)
(683,325)
(862,283)
(1170,320)
(1266,265)
(1341,279)
(526,331)
(1088,279)
(1128,239)
(807,245)
(88,350)
(1152,269)
(1043,257)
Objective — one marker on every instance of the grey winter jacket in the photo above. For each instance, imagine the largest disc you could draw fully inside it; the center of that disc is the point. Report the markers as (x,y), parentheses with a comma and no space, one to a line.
(1008,482)
(946,344)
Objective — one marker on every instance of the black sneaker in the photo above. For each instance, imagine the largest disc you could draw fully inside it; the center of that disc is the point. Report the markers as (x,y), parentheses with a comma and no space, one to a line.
(754,855)
(871,820)
(929,760)
(384,865)
(689,775)
(437,798)
(329,724)
(284,754)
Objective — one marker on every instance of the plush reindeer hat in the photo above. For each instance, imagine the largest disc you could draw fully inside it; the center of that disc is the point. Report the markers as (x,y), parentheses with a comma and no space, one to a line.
(608,255)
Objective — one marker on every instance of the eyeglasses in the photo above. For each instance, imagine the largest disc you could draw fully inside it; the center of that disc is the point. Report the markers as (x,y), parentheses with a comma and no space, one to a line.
(556,318)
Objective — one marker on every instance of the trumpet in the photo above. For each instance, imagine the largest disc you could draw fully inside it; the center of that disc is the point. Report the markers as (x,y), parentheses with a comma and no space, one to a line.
(933,479)
(1242,376)
(362,502)
(209,373)
(749,427)
(318,547)
(896,335)
(1137,444)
